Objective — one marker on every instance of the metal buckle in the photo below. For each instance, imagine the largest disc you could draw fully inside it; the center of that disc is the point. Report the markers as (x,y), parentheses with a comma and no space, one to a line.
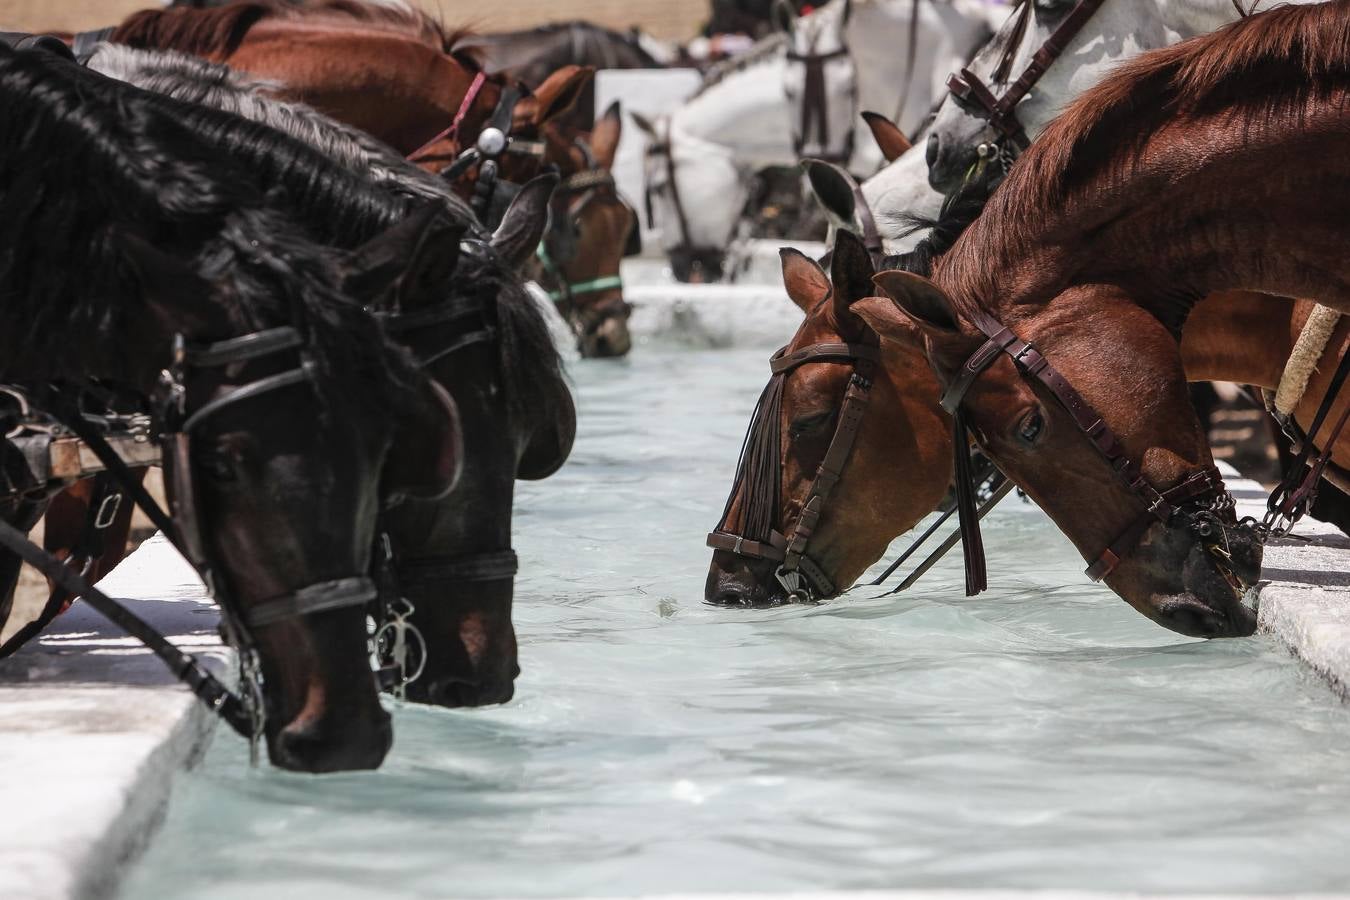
(107,511)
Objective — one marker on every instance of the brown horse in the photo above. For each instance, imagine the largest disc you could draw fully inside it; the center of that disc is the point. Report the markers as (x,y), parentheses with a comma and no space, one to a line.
(592,230)
(904,442)
(385,70)
(1208,166)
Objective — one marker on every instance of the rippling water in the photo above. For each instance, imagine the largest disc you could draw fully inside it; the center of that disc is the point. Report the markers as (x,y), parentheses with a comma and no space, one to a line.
(1041,736)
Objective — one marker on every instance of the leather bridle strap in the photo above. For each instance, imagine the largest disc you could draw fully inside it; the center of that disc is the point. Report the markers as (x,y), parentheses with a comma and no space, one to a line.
(1002,111)
(791,549)
(322,596)
(1297,491)
(1161,506)
(452,130)
(496,565)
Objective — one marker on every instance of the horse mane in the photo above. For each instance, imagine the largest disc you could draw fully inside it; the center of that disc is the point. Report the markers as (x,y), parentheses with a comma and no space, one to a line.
(1256,69)
(959,211)
(763,49)
(342,207)
(220,30)
(1261,65)
(147,176)
(198,81)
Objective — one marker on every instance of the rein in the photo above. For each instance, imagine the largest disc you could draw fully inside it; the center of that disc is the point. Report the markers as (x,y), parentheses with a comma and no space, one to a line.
(686,245)
(1001,112)
(758,470)
(1199,501)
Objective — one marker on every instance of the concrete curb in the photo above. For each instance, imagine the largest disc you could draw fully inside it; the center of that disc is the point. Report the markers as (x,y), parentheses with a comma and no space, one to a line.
(92,730)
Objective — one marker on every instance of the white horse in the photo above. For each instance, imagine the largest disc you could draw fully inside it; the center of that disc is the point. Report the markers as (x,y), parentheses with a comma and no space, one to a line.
(1117,31)
(702,159)
(854,55)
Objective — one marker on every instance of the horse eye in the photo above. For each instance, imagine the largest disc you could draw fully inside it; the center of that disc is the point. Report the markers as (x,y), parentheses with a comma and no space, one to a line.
(808,424)
(1030,430)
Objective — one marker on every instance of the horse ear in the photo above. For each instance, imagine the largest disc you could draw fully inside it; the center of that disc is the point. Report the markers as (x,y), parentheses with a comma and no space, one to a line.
(850,271)
(834,189)
(644,124)
(804,279)
(783,15)
(888,136)
(393,267)
(522,228)
(560,91)
(179,299)
(605,136)
(910,301)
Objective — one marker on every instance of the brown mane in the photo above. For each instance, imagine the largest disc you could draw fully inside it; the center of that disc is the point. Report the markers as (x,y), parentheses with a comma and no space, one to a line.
(1256,68)
(220,30)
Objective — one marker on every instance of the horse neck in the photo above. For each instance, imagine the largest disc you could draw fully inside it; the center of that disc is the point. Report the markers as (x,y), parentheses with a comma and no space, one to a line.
(396,88)
(1164,221)
(1241,336)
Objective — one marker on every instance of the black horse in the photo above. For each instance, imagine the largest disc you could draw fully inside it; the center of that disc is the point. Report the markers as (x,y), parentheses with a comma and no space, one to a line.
(132,253)
(453,296)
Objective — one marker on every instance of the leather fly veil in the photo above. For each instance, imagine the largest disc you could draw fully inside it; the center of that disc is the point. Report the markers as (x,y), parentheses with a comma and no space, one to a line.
(754,533)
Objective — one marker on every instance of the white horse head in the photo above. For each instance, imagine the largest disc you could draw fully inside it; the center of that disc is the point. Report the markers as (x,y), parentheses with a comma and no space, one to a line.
(1118,30)
(702,160)
(853,55)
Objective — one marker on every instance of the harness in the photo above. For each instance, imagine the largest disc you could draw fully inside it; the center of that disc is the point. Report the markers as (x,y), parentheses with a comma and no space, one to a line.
(399,648)
(1001,112)
(175,423)
(757,471)
(686,246)
(1200,501)
(815,111)
(491,193)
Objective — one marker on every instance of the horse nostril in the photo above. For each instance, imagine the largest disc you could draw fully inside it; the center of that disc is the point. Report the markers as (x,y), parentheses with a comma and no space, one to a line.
(460,692)
(308,749)
(730,595)
(931,151)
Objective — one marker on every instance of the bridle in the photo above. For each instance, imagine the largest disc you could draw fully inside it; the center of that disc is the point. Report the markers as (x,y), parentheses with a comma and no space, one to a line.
(758,471)
(491,193)
(1199,502)
(398,647)
(580,190)
(815,108)
(686,246)
(1001,112)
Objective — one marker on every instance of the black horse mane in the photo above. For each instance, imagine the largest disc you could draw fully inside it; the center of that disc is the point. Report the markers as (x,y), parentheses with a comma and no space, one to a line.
(959,211)
(86,162)
(345,209)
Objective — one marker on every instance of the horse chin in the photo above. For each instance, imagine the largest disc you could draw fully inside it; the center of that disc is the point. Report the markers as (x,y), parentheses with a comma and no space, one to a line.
(1209,603)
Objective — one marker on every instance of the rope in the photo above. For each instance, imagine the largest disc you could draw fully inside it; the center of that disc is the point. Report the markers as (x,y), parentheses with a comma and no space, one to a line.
(1308,349)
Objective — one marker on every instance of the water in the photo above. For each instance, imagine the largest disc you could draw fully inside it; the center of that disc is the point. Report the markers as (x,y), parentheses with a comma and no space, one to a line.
(1041,736)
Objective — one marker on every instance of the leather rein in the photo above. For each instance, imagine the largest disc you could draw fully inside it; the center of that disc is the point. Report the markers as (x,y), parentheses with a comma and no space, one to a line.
(664,148)
(815,107)
(1001,112)
(758,471)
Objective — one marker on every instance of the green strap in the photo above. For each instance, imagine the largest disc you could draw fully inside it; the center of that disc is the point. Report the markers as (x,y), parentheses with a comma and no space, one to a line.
(587,287)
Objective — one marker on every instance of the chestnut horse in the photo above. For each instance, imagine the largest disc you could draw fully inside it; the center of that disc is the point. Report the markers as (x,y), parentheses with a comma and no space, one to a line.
(591,230)
(904,442)
(1208,166)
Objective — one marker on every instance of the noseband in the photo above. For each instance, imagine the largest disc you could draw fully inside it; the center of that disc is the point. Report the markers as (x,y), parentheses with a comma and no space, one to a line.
(758,471)
(1200,501)
(815,110)
(1001,112)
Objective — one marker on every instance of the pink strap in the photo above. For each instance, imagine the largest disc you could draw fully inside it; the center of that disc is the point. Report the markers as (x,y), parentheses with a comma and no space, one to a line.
(478,81)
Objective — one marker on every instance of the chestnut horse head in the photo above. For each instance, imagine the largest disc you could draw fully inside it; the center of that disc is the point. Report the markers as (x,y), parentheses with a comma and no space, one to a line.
(797,422)
(591,229)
